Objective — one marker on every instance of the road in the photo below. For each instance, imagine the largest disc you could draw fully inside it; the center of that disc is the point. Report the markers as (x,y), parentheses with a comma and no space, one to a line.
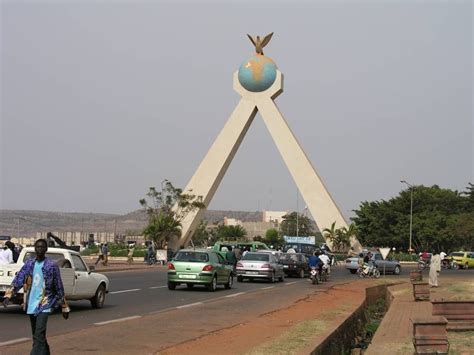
(139,293)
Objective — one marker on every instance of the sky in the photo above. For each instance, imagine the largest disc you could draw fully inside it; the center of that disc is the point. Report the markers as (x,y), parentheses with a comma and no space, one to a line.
(102,99)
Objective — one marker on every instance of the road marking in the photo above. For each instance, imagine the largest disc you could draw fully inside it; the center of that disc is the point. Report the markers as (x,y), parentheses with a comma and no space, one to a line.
(291,283)
(14,341)
(123,291)
(235,294)
(117,320)
(153,287)
(267,288)
(189,305)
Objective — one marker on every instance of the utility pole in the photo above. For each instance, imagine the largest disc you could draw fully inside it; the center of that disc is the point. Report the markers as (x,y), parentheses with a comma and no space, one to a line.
(297,210)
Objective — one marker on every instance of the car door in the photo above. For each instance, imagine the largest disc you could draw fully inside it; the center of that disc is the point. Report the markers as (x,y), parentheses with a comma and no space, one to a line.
(222,269)
(470,259)
(277,266)
(85,283)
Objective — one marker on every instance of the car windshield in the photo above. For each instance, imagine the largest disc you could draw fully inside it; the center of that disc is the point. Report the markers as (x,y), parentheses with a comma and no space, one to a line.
(457,254)
(192,256)
(256,256)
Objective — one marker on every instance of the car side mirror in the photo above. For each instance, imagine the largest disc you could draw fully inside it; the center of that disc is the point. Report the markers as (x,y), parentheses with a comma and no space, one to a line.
(91,268)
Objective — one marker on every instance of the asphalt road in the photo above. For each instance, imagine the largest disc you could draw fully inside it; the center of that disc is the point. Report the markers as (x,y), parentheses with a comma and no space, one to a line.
(139,293)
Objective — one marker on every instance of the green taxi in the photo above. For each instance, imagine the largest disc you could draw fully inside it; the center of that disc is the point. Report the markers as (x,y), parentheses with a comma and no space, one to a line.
(199,267)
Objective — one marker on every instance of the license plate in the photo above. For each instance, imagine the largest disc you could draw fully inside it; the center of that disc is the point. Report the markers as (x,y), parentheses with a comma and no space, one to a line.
(252,272)
(187,276)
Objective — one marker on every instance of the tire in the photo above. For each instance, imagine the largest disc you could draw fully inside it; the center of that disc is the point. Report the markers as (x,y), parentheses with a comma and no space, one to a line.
(281,278)
(467,266)
(301,274)
(213,285)
(171,286)
(230,282)
(376,273)
(455,266)
(397,270)
(353,271)
(99,298)
(273,279)
(240,279)
(421,266)
(190,286)
(361,274)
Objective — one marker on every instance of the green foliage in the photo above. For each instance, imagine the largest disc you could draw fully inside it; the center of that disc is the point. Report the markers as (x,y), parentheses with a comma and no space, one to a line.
(205,236)
(272,238)
(442,219)
(339,237)
(289,224)
(231,232)
(166,210)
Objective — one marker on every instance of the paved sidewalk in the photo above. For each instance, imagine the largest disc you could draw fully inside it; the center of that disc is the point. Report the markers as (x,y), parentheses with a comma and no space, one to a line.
(394,335)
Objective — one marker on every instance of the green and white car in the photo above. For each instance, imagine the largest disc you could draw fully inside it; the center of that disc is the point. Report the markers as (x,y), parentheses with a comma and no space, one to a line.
(199,267)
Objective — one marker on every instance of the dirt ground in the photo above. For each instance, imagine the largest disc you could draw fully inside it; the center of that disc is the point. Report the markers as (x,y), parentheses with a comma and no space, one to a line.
(294,329)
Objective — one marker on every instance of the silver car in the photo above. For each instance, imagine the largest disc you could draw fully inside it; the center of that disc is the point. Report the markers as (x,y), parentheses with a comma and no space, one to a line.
(260,266)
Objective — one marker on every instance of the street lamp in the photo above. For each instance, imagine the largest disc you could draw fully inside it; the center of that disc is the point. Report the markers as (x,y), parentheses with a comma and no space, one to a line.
(411,210)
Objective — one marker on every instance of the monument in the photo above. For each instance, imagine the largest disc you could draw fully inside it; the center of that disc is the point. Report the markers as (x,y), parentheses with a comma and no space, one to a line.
(259,82)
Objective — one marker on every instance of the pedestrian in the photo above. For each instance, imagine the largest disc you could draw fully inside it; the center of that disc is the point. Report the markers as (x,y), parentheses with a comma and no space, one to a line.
(230,257)
(6,255)
(15,253)
(435,268)
(130,255)
(43,292)
(105,254)
(101,256)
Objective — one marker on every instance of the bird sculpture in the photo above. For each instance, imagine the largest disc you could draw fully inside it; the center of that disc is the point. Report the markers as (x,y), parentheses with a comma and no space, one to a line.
(258,43)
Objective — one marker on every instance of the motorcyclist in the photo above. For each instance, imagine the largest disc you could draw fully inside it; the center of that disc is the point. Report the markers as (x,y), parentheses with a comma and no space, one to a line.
(313,260)
(368,263)
(326,262)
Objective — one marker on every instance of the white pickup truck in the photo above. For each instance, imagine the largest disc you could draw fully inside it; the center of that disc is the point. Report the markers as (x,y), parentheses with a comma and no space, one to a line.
(79,280)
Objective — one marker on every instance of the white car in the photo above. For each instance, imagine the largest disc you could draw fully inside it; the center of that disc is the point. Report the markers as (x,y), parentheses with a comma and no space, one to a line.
(260,265)
(80,281)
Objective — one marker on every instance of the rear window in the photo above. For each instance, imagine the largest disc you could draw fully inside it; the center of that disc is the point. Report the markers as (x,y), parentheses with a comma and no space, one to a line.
(192,256)
(294,257)
(457,254)
(256,257)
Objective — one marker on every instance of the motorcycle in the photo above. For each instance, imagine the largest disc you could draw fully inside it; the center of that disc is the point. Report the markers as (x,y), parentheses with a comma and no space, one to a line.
(325,273)
(449,264)
(373,271)
(314,275)
(152,259)
(422,264)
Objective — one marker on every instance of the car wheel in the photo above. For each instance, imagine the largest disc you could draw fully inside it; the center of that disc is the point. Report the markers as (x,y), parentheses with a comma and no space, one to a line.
(272,280)
(353,271)
(190,286)
(171,286)
(240,279)
(397,270)
(376,274)
(301,274)
(229,283)
(99,298)
(213,285)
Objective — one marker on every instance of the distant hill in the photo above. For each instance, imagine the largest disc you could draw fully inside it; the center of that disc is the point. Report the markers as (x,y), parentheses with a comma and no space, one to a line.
(30,222)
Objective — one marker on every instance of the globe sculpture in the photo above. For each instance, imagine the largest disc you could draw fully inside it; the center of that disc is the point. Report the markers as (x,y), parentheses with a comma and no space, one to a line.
(257,73)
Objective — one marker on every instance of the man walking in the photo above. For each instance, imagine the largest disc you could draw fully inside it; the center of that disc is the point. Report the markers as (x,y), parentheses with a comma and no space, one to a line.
(105,254)
(101,256)
(44,291)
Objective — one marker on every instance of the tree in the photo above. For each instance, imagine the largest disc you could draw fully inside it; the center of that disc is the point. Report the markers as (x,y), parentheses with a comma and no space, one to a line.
(272,238)
(440,219)
(339,237)
(205,236)
(289,224)
(231,232)
(166,210)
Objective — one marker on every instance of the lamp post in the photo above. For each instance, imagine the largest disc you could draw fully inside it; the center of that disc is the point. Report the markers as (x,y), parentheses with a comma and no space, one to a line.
(411,210)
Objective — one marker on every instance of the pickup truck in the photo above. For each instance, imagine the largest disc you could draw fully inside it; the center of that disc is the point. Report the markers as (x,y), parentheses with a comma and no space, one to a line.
(79,280)
(390,266)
